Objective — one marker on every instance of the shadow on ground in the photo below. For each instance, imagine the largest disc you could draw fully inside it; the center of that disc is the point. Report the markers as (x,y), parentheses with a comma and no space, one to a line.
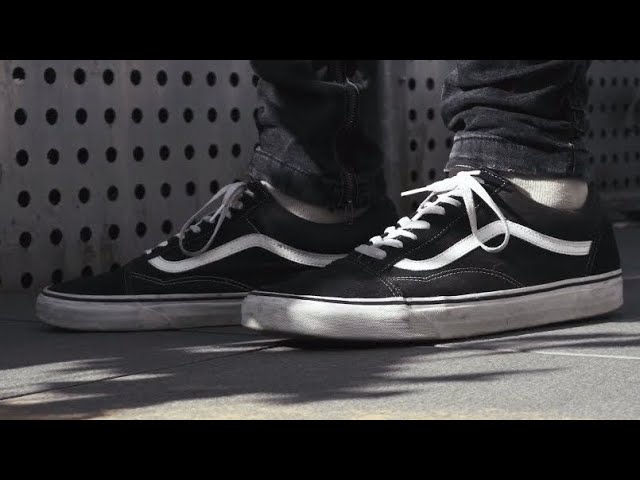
(85,375)
(104,378)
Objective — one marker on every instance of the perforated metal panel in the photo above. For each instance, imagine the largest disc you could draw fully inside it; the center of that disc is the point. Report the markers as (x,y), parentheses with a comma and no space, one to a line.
(103,159)
(614,136)
(418,143)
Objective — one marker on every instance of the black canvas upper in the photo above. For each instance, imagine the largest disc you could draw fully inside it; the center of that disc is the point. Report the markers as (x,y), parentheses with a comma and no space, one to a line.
(242,271)
(520,264)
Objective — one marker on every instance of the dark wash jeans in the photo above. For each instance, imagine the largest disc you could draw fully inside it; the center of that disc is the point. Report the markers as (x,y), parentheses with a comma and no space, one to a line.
(523,117)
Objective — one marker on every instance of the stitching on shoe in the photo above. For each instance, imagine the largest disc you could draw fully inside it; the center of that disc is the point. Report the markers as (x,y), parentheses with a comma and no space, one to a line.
(254,227)
(195,279)
(392,288)
(191,279)
(127,272)
(502,276)
(594,251)
(503,182)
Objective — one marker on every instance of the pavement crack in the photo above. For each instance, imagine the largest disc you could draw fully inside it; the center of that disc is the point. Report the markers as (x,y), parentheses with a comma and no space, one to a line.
(539,352)
(159,369)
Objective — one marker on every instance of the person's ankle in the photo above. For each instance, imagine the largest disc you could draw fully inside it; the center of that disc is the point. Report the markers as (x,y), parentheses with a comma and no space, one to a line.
(560,193)
(307,211)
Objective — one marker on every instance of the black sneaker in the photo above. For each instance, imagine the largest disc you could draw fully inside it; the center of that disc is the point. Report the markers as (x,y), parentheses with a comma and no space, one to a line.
(477,257)
(200,276)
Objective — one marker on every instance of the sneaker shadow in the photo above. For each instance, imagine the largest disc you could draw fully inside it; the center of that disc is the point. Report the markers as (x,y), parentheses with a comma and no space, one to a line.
(96,375)
(228,372)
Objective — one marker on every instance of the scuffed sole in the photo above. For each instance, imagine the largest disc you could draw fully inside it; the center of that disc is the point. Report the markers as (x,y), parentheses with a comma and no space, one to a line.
(313,317)
(75,314)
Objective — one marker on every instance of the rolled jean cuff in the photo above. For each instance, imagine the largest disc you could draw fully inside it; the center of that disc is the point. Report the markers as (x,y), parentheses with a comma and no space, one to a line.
(472,151)
(315,188)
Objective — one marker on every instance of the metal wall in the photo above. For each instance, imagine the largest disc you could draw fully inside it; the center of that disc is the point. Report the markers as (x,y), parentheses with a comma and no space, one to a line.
(103,159)
(415,139)
(614,136)
(100,160)
(419,143)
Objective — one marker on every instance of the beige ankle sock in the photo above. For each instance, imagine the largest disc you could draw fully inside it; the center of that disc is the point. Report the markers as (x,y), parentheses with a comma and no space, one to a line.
(561,193)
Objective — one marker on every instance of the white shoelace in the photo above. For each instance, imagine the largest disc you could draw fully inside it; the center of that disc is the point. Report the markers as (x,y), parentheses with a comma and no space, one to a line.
(463,185)
(231,195)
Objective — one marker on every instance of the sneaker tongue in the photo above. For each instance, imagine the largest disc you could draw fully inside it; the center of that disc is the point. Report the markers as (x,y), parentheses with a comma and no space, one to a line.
(492,178)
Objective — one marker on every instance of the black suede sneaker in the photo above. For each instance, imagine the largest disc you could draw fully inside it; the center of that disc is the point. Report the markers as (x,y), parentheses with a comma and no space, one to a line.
(200,276)
(477,257)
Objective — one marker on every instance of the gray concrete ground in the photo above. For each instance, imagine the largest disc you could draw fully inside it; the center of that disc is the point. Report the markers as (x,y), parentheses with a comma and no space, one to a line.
(586,369)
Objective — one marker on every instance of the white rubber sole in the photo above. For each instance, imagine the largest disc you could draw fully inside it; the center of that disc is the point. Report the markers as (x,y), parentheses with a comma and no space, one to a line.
(434,318)
(137,313)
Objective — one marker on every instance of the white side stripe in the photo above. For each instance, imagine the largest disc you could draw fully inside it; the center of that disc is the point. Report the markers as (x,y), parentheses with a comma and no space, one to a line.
(486,233)
(254,240)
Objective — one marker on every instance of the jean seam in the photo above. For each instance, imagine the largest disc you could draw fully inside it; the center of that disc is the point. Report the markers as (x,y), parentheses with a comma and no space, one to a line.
(494,138)
(333,183)
(367,181)
(492,151)
(283,164)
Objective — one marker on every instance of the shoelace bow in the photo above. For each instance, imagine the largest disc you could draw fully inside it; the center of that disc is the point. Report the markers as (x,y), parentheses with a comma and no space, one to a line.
(231,198)
(463,185)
